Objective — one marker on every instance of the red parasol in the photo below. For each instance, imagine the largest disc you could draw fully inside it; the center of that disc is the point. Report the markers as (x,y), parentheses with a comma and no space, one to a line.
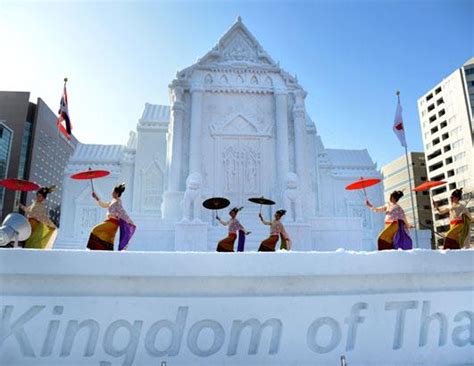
(428,185)
(90,174)
(362,183)
(19,185)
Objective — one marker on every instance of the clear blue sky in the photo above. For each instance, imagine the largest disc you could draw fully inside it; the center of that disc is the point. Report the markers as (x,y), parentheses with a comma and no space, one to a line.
(350,56)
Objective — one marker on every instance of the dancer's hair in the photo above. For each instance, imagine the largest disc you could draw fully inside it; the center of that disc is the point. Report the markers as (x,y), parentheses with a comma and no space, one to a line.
(119,189)
(281,212)
(457,193)
(236,209)
(396,195)
(44,191)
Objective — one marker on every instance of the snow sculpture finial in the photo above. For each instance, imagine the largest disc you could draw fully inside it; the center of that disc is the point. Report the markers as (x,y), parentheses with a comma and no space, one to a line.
(239,19)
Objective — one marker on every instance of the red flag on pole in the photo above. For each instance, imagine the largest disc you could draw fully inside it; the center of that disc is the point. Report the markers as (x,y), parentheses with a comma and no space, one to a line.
(398,127)
(63,122)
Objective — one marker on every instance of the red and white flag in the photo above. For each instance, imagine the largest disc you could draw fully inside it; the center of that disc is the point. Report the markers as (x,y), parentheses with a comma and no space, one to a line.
(63,122)
(398,127)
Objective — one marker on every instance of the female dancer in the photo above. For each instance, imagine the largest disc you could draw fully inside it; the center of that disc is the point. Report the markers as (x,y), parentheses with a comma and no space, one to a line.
(103,235)
(460,219)
(227,244)
(43,230)
(276,230)
(394,217)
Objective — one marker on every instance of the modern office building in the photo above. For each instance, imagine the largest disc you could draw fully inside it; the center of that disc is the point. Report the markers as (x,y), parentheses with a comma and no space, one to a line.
(6,136)
(397,177)
(446,118)
(38,152)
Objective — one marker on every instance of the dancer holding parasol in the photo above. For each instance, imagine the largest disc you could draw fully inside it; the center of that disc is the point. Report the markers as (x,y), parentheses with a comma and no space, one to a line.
(394,235)
(43,230)
(459,221)
(277,230)
(227,244)
(103,235)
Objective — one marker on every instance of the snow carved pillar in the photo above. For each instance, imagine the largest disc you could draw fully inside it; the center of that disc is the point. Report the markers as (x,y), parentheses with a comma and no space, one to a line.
(195,151)
(299,118)
(177,110)
(282,156)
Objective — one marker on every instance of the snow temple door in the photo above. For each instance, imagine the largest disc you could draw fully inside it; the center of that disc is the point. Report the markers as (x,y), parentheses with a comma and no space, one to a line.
(240,168)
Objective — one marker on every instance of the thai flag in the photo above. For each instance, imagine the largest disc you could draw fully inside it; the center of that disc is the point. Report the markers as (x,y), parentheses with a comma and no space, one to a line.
(63,122)
(398,127)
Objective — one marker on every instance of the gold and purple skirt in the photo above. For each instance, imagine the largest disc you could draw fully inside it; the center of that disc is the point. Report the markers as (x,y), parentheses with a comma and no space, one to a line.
(385,239)
(103,235)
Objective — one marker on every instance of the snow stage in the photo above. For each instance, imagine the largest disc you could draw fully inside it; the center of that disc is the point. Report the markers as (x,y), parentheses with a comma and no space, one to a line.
(68,307)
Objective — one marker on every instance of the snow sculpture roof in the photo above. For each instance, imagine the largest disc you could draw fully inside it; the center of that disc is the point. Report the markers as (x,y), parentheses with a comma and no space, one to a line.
(350,158)
(97,153)
(155,113)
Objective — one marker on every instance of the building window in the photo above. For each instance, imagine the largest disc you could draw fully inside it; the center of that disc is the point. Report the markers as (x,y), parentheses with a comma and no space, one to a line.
(439,101)
(433,118)
(461,169)
(441,113)
(429,96)
(449,161)
(445,136)
(430,107)
(435,166)
(469,71)
(434,129)
(438,90)
(25,150)
(460,156)
(457,144)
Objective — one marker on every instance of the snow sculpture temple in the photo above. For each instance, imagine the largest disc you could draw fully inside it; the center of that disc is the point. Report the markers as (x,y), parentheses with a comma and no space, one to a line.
(238,128)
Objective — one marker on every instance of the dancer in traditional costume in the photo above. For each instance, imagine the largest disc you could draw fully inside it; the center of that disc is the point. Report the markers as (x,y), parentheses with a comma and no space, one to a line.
(43,230)
(103,235)
(227,244)
(394,235)
(459,221)
(277,230)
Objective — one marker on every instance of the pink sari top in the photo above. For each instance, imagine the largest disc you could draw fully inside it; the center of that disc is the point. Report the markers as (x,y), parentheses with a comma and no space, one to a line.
(393,213)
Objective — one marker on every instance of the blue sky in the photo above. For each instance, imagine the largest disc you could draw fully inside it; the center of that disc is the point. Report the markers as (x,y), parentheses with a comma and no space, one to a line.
(350,56)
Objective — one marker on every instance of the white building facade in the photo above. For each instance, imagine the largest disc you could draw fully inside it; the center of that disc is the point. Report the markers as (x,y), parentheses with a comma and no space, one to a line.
(238,128)
(446,118)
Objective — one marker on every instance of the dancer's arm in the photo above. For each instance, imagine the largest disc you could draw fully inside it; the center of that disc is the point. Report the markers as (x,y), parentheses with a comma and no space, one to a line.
(263,221)
(99,202)
(441,211)
(225,223)
(375,209)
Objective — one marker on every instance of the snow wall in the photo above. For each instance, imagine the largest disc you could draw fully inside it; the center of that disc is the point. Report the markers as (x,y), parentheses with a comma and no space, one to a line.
(67,307)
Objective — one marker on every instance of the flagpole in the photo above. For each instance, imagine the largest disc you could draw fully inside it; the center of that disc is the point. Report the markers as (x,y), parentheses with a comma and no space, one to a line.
(411,188)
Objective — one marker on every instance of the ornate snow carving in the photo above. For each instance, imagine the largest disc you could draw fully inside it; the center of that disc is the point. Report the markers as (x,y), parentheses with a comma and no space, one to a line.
(152,188)
(243,114)
(292,198)
(240,49)
(192,198)
(208,79)
(241,164)
(224,79)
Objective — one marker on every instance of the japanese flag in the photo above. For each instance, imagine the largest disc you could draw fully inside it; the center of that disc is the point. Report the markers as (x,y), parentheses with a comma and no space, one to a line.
(398,127)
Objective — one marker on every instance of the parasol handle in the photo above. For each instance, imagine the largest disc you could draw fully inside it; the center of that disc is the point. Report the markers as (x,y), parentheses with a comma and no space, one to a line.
(260,209)
(92,184)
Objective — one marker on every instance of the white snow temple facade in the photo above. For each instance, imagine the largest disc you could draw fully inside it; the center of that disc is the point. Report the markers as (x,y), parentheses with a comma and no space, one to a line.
(236,127)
